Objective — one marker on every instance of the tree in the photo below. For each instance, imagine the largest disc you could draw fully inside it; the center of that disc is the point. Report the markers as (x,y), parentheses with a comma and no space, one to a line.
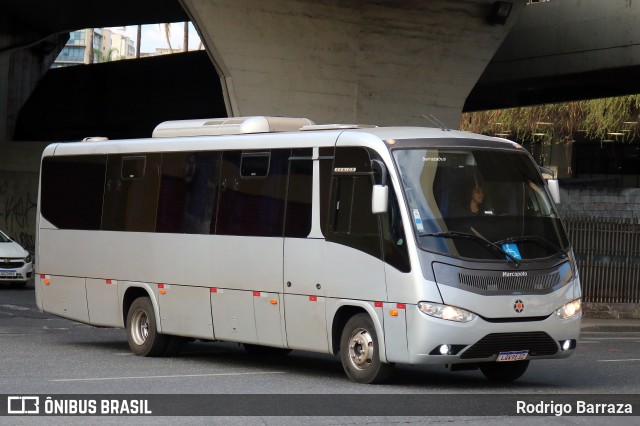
(185,39)
(88,51)
(138,41)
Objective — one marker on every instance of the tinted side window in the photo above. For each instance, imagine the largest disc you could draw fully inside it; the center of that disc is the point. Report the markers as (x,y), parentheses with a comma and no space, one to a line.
(131,192)
(252,205)
(326,167)
(352,222)
(72,191)
(299,194)
(394,241)
(188,192)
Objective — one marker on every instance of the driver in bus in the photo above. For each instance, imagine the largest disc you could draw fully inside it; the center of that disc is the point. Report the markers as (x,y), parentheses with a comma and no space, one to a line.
(475,206)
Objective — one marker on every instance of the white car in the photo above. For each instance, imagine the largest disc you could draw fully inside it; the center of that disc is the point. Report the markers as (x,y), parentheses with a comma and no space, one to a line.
(15,262)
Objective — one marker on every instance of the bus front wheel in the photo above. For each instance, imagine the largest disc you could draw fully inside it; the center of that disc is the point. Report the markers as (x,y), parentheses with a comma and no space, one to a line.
(360,351)
(142,332)
(504,372)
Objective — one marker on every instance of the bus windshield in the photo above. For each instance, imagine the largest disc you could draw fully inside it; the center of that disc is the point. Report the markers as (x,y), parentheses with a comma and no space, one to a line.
(479,204)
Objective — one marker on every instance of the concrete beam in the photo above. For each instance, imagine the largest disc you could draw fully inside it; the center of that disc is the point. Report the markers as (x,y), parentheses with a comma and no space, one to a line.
(363,61)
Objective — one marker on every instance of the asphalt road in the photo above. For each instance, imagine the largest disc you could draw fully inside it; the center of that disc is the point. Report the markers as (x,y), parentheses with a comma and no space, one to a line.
(43,354)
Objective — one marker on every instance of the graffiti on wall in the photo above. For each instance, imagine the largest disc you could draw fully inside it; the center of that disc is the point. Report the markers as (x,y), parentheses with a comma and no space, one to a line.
(18,207)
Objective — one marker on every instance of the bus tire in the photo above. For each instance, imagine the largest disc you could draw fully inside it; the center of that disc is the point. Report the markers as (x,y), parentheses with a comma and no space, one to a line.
(265,351)
(142,332)
(360,351)
(504,372)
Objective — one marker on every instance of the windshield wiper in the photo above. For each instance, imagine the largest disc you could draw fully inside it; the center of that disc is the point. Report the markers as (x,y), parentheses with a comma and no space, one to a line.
(543,242)
(486,243)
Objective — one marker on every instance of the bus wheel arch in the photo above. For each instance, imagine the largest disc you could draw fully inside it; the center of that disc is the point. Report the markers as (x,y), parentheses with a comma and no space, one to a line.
(141,323)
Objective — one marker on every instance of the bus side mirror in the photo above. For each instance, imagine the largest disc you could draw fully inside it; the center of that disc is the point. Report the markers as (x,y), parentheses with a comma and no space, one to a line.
(379,199)
(554,189)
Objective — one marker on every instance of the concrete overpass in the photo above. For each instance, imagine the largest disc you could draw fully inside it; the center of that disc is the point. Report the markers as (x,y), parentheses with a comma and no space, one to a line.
(564,50)
(365,61)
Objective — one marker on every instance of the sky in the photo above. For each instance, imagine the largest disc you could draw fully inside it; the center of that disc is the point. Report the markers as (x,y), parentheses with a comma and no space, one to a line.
(153,36)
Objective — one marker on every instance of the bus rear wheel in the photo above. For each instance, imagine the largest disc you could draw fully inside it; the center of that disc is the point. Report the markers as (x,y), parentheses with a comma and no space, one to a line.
(142,332)
(504,372)
(360,351)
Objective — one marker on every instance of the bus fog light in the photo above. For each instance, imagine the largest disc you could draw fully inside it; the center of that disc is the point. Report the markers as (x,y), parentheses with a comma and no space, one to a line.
(570,310)
(444,349)
(446,312)
(565,345)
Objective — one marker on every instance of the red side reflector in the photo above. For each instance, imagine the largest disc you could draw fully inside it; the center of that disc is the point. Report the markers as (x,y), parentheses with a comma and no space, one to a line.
(378,304)
(43,276)
(313,298)
(401,306)
(160,285)
(108,281)
(213,290)
(256,293)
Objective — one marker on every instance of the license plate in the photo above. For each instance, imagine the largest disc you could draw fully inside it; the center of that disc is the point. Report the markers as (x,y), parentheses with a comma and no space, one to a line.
(8,274)
(512,356)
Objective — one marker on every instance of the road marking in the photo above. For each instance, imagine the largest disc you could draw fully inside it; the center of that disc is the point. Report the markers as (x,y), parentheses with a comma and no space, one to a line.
(619,360)
(15,308)
(166,377)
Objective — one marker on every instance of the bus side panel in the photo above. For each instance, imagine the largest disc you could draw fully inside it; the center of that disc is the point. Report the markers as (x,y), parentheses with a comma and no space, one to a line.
(353,274)
(395,332)
(66,297)
(185,311)
(102,301)
(268,319)
(306,323)
(233,315)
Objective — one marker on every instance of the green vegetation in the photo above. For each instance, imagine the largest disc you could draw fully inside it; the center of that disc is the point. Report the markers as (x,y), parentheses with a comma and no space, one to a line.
(604,120)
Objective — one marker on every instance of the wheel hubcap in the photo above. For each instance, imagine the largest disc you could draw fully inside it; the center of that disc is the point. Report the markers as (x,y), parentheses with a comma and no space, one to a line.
(361,349)
(139,327)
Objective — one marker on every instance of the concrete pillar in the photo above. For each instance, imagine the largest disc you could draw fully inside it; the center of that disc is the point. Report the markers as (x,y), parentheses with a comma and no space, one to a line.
(363,61)
(25,56)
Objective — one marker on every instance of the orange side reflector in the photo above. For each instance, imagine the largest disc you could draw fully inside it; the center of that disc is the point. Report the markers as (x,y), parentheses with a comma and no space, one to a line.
(393,312)
(47,282)
(274,302)
(163,291)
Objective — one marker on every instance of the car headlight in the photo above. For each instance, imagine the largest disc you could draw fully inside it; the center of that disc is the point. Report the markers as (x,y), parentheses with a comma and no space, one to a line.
(27,259)
(570,310)
(446,312)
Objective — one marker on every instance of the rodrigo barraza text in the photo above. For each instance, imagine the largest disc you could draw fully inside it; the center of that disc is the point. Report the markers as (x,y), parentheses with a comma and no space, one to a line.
(580,407)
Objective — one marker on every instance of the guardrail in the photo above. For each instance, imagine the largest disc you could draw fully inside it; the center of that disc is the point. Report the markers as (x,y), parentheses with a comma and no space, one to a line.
(608,257)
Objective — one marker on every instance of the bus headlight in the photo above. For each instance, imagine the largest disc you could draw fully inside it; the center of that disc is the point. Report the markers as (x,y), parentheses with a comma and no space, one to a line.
(446,312)
(570,310)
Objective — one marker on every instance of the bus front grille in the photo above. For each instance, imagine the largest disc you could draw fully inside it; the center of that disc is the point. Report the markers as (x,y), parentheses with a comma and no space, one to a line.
(538,343)
(502,284)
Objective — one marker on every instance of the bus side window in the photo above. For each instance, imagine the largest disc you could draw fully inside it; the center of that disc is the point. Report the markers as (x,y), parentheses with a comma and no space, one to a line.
(253,186)
(299,194)
(131,192)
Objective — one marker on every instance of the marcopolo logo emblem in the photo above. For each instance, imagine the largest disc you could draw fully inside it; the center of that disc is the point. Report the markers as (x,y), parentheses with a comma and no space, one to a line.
(23,405)
(518,306)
